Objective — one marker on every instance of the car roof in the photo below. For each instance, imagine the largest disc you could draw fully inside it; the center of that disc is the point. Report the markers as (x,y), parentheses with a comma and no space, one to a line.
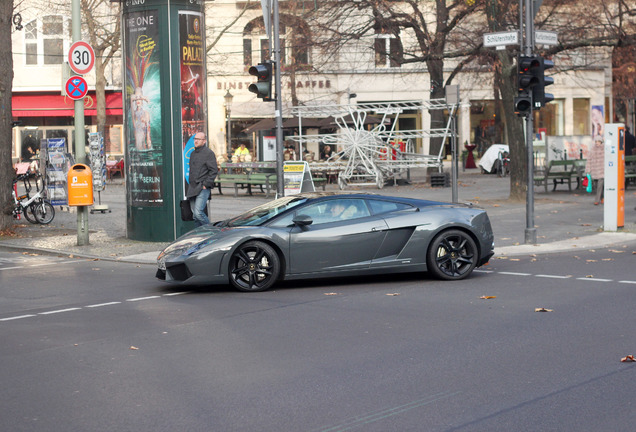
(320,196)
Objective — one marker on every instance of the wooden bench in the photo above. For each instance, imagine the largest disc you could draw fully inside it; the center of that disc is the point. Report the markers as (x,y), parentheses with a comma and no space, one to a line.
(248,174)
(559,172)
(630,170)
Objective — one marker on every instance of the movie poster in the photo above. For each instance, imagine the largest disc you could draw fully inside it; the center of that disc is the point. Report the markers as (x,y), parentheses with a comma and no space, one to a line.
(193,90)
(143,138)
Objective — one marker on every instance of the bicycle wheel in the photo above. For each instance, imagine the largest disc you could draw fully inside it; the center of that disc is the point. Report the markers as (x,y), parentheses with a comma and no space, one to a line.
(29,213)
(44,212)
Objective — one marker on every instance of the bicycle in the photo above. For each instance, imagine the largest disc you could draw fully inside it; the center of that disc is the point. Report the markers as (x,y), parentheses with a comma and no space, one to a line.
(35,208)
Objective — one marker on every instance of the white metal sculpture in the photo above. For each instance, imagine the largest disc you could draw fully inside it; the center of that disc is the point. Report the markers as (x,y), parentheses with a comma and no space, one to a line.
(375,155)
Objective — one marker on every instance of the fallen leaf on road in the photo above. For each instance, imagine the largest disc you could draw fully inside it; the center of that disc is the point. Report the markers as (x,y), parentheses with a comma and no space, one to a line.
(589,276)
(332,293)
(590,260)
(515,259)
(607,259)
(487,297)
(543,310)
(134,348)
(616,251)
(393,294)
(629,358)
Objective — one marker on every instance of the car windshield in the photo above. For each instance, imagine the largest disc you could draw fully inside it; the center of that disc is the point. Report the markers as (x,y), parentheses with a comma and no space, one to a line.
(263,213)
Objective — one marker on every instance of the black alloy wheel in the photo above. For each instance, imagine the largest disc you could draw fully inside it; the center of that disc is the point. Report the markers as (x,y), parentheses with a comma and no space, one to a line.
(452,255)
(254,266)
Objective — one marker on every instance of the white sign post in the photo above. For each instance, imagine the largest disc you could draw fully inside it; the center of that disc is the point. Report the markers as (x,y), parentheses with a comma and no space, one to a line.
(81,58)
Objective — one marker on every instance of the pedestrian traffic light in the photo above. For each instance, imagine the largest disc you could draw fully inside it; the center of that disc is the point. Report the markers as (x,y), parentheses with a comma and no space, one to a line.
(262,87)
(539,96)
(527,79)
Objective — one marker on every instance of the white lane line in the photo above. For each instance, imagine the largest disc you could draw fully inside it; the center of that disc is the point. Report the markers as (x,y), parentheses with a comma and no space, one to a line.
(515,274)
(16,317)
(56,262)
(484,271)
(59,311)
(12,268)
(553,276)
(627,282)
(142,298)
(103,304)
(176,294)
(595,279)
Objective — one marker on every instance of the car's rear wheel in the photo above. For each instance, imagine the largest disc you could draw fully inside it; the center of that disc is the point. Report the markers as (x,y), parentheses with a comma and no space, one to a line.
(452,255)
(254,266)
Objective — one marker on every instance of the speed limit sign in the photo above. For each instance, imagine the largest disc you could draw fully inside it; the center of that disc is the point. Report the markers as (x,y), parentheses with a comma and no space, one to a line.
(81,57)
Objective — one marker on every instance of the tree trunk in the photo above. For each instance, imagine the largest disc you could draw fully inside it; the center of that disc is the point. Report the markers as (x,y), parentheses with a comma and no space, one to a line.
(505,77)
(6,84)
(100,94)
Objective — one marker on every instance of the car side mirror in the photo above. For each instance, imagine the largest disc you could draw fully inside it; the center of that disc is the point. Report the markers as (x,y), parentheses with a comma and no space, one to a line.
(302,220)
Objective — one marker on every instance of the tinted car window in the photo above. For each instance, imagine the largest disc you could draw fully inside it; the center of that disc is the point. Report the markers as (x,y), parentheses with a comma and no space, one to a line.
(336,210)
(380,206)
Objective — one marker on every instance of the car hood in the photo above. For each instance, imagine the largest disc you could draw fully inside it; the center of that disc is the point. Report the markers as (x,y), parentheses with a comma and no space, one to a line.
(206,233)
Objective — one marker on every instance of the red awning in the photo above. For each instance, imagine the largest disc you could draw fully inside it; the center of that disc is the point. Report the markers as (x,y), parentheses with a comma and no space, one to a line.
(56,105)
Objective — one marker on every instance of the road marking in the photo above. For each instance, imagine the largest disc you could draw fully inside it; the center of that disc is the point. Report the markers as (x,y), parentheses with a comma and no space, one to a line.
(142,298)
(16,317)
(595,279)
(553,276)
(176,294)
(59,311)
(627,282)
(103,304)
(515,274)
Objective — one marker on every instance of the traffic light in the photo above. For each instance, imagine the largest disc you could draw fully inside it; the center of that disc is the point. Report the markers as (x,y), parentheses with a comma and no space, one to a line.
(527,79)
(262,87)
(539,96)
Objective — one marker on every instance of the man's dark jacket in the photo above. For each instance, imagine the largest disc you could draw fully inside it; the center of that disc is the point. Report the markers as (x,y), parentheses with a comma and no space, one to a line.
(203,170)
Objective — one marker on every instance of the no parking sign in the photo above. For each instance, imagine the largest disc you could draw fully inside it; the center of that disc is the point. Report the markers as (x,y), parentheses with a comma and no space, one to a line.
(76,87)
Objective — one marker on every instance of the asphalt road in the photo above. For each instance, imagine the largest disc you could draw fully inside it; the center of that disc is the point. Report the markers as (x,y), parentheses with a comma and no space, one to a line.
(96,345)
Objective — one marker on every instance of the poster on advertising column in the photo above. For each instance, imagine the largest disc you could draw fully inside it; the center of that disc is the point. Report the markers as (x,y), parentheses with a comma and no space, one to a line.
(143,122)
(193,91)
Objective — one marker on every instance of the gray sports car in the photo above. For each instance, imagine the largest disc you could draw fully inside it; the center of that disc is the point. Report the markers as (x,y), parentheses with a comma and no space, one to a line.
(331,234)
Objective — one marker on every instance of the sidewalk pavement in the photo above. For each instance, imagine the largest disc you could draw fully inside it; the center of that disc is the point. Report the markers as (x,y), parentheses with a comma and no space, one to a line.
(564,220)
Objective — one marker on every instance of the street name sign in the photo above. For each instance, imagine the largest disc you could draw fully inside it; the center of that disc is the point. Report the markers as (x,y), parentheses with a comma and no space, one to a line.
(81,57)
(501,39)
(546,37)
(76,87)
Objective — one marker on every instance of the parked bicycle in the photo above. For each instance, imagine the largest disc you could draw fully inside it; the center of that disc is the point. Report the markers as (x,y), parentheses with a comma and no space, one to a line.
(34,208)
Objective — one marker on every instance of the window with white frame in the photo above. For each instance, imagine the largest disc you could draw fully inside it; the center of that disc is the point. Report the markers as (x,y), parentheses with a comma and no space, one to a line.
(294,43)
(387,46)
(44,41)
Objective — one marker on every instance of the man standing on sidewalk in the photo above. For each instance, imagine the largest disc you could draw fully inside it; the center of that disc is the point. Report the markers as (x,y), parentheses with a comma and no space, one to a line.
(203,171)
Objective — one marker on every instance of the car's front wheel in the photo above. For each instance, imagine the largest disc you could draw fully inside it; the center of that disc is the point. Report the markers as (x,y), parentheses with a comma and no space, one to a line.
(254,266)
(452,255)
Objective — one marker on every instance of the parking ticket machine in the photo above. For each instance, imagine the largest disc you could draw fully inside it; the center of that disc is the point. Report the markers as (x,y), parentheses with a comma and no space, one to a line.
(614,208)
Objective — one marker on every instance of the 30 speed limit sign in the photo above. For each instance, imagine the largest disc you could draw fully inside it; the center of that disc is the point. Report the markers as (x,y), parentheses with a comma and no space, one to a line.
(81,57)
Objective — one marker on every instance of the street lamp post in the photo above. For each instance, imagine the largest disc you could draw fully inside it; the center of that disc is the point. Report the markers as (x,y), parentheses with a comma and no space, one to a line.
(228,109)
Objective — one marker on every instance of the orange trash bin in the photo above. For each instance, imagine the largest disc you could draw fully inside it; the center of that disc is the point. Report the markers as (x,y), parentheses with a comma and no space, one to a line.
(80,185)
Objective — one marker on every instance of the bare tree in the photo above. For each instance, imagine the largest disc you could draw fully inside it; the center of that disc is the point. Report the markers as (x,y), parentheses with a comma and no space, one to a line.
(6,84)
(102,19)
(428,32)
(588,30)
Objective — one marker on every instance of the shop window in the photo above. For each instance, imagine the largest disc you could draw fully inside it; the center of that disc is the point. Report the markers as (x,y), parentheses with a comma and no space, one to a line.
(581,116)
(44,41)
(551,118)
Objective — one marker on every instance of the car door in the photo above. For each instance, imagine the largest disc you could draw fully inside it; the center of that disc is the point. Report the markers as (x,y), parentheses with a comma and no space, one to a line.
(336,242)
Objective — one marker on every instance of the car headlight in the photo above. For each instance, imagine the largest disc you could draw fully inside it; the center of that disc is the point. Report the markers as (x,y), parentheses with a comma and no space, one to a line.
(161,261)
(199,246)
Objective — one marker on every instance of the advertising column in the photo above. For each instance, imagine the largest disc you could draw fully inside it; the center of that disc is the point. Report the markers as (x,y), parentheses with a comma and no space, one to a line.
(614,208)
(165,104)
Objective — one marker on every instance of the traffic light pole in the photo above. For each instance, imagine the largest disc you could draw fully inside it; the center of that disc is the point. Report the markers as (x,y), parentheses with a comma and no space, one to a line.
(278,109)
(528,48)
